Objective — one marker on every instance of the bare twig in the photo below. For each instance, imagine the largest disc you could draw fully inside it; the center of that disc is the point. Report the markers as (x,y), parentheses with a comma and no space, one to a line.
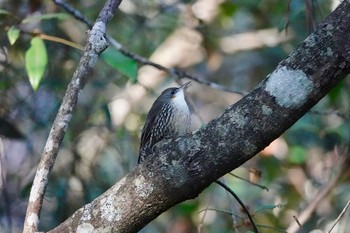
(234,219)
(220,211)
(53,38)
(310,15)
(297,221)
(286,24)
(241,178)
(272,228)
(240,202)
(95,46)
(200,225)
(144,61)
(340,216)
(75,13)
(324,192)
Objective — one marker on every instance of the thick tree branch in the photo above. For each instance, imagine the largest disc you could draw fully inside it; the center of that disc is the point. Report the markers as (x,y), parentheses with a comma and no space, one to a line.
(181,168)
(95,45)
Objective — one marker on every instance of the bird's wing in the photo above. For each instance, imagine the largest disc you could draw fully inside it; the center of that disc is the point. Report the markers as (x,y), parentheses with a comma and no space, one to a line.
(151,121)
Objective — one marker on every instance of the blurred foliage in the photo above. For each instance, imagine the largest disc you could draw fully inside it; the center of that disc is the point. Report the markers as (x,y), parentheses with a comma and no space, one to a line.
(101,146)
(122,63)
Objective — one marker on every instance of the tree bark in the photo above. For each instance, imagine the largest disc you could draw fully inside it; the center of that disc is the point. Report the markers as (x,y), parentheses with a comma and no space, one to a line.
(181,168)
(95,46)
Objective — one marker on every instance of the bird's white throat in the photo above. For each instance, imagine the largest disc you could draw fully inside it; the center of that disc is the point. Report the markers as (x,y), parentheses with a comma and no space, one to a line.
(179,99)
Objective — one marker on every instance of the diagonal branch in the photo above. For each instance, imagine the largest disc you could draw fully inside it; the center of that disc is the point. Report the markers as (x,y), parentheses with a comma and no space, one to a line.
(240,203)
(181,168)
(144,61)
(95,45)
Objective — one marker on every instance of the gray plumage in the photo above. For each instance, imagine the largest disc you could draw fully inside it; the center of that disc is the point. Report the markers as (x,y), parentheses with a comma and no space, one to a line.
(169,117)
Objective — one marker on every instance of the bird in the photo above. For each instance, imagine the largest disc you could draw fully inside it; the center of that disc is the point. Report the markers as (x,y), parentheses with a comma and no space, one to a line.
(168,117)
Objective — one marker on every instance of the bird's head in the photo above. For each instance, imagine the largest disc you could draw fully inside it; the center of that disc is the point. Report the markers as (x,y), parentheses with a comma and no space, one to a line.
(174,93)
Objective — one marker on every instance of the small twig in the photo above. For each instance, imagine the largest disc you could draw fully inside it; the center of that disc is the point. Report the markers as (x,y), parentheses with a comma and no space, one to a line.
(142,60)
(221,211)
(199,228)
(272,228)
(171,71)
(316,5)
(237,215)
(240,202)
(297,221)
(183,74)
(234,219)
(54,39)
(310,15)
(59,40)
(340,216)
(286,25)
(76,14)
(324,192)
(255,184)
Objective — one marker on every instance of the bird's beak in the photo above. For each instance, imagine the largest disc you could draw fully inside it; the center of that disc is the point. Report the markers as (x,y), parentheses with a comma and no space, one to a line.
(184,86)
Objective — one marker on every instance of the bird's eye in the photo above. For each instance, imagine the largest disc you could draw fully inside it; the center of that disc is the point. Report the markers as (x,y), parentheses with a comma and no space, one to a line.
(173,92)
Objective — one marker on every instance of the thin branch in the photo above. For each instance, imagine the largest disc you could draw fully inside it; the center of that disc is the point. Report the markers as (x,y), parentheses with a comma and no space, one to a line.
(230,213)
(234,219)
(75,13)
(199,228)
(171,71)
(54,39)
(272,228)
(340,216)
(286,24)
(310,21)
(59,40)
(297,221)
(246,180)
(220,211)
(144,61)
(324,192)
(240,202)
(95,46)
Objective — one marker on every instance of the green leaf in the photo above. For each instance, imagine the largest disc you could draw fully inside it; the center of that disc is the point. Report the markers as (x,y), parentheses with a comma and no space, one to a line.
(297,155)
(36,61)
(13,34)
(335,92)
(228,9)
(122,63)
(59,16)
(272,167)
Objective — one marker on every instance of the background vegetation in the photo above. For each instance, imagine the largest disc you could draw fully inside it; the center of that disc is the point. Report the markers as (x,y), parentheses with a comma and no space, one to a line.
(101,144)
